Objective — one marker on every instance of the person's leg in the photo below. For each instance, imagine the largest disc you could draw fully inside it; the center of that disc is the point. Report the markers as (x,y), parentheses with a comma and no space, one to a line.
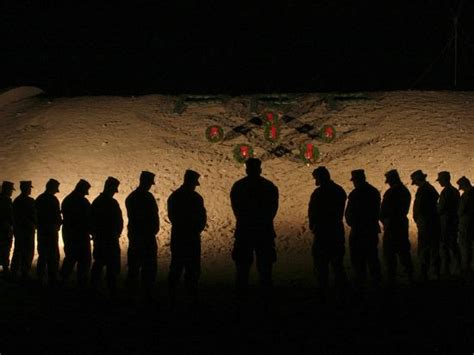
(149,268)
(83,263)
(358,258)
(113,266)
(174,275)
(320,265)
(69,261)
(265,258)
(242,254)
(17,254)
(28,253)
(373,261)
(52,257)
(435,255)
(390,257)
(423,254)
(192,267)
(42,258)
(337,262)
(456,251)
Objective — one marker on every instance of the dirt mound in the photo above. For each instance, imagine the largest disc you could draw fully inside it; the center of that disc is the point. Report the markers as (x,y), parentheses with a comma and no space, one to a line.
(16,94)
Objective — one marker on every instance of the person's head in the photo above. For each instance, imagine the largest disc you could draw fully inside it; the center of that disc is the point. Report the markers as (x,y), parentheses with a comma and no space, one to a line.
(82,187)
(111,186)
(358,177)
(52,186)
(464,184)
(7,188)
(444,178)
(418,178)
(321,175)
(191,179)
(392,177)
(147,180)
(25,187)
(253,167)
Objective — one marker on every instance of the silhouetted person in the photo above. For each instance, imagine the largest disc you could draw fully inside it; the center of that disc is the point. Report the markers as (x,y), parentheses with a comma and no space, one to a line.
(425,215)
(254,202)
(76,233)
(362,215)
(143,226)
(325,213)
(24,227)
(6,225)
(49,223)
(448,206)
(466,224)
(106,228)
(187,215)
(393,215)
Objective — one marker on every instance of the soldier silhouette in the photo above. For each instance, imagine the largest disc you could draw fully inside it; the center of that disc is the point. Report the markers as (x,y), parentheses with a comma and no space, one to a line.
(325,214)
(6,225)
(106,228)
(393,215)
(466,224)
(254,201)
(448,205)
(143,226)
(24,227)
(49,223)
(187,215)
(362,215)
(76,233)
(425,215)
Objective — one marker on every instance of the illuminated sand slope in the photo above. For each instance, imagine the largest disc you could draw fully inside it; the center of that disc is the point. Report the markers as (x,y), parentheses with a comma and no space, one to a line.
(94,137)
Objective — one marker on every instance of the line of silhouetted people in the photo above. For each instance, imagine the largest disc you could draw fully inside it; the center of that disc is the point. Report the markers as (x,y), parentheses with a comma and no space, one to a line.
(445,224)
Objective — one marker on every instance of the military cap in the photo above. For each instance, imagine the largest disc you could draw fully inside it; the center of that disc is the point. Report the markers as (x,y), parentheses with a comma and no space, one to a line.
(253,163)
(147,176)
(112,182)
(392,174)
(25,184)
(253,166)
(191,177)
(83,184)
(321,172)
(443,175)
(358,174)
(53,184)
(463,180)
(417,175)
(8,185)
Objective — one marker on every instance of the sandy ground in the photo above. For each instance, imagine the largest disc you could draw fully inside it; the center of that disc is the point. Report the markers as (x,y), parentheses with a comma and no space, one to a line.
(94,137)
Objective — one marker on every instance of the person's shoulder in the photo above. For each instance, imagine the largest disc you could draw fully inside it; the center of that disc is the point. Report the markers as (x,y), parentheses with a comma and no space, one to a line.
(98,199)
(239,183)
(337,187)
(268,183)
(42,196)
(373,189)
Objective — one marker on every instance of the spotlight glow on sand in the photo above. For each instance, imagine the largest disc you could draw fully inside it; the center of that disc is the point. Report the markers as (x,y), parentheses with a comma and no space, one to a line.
(94,137)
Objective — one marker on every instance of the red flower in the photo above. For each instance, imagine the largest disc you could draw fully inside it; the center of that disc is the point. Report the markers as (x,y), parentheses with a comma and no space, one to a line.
(309,151)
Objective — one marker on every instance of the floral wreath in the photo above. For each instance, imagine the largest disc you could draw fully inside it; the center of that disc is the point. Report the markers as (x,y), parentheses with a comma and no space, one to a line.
(242,152)
(214,134)
(309,153)
(327,133)
(272,132)
(270,117)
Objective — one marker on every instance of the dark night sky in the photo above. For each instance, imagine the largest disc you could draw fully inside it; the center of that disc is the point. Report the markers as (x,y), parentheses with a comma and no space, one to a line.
(228,47)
